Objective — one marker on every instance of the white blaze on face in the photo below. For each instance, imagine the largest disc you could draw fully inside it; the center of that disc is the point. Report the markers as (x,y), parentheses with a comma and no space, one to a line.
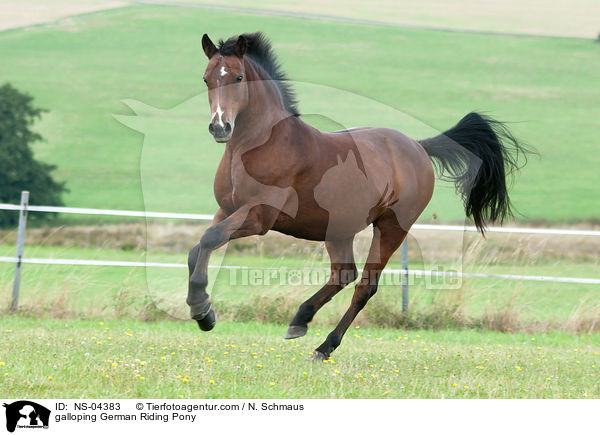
(218,113)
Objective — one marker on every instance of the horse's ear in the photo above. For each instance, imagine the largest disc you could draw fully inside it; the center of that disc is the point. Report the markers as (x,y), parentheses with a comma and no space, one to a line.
(209,48)
(240,46)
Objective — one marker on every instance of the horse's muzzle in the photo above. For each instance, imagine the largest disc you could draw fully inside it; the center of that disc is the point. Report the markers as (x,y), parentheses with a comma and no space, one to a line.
(221,132)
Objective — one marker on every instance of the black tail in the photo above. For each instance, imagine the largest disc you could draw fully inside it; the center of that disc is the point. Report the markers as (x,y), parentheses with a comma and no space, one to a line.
(477,154)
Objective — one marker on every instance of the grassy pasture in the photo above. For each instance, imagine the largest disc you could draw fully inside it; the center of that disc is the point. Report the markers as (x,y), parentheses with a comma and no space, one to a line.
(49,358)
(80,69)
(83,67)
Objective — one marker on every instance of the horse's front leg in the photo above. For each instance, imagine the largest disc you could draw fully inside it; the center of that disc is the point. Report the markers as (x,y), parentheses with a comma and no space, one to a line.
(198,299)
(246,221)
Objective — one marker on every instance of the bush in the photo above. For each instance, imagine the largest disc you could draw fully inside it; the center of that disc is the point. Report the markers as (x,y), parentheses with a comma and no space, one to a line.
(18,168)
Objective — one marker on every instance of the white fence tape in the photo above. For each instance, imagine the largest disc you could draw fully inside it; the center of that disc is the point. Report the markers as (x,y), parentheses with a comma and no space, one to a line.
(96,211)
(190,216)
(551,231)
(76,262)
(208,217)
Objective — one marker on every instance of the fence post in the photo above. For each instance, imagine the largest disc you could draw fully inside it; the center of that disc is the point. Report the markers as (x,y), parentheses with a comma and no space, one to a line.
(404,248)
(20,246)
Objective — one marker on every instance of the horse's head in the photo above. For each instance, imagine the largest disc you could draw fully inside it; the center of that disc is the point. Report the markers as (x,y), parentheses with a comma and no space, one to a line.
(227,87)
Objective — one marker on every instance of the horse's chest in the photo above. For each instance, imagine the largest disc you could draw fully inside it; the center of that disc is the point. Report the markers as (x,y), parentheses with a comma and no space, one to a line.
(238,187)
(241,187)
(239,184)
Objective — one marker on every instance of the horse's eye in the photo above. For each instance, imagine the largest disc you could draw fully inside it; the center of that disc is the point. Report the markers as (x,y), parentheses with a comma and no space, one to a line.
(239,78)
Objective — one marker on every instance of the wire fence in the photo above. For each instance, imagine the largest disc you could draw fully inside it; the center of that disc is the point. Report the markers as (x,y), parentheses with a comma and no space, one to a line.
(24,208)
(414,272)
(209,217)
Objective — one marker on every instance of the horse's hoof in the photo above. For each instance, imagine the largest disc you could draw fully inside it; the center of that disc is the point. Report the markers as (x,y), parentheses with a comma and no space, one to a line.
(318,356)
(207,322)
(296,331)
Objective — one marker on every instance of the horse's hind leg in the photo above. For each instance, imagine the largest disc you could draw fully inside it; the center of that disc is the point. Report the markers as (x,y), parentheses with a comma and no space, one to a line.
(387,237)
(343,272)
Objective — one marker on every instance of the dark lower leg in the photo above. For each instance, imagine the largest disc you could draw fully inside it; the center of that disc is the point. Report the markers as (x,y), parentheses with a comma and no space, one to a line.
(244,222)
(197,298)
(343,272)
(362,294)
(387,237)
(339,279)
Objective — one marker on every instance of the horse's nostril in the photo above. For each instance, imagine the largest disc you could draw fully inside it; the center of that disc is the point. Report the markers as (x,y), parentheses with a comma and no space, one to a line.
(220,130)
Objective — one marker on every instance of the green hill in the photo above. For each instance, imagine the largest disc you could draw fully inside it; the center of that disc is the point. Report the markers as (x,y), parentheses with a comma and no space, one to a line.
(82,68)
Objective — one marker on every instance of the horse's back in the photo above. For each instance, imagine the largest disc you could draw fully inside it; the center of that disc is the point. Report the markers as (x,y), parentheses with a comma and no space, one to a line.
(396,165)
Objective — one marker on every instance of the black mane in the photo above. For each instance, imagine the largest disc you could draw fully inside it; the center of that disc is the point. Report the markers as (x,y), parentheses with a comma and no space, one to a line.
(260,51)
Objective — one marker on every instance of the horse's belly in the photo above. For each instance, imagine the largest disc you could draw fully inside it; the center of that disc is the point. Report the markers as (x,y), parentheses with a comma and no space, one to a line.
(318,228)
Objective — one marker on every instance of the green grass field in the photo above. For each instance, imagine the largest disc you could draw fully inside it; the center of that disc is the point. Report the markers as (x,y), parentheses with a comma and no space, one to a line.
(80,69)
(560,18)
(126,359)
(107,77)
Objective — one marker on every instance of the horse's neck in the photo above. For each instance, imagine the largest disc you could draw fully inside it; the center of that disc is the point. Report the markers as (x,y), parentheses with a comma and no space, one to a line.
(265,109)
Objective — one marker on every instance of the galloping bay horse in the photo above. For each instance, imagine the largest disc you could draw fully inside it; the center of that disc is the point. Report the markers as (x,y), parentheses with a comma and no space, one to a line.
(279,173)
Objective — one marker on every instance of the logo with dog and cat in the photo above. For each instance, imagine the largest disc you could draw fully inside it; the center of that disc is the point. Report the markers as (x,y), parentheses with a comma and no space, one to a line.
(25,414)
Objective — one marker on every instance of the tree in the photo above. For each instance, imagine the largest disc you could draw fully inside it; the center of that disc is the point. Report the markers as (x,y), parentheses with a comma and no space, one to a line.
(18,168)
